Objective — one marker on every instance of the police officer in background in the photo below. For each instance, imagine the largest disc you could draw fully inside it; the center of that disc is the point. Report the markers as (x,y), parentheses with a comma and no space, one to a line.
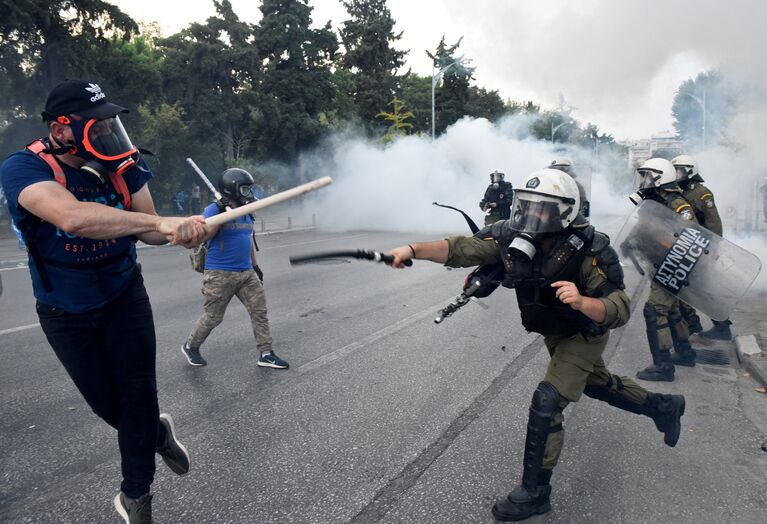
(569,287)
(702,201)
(566,165)
(666,327)
(497,200)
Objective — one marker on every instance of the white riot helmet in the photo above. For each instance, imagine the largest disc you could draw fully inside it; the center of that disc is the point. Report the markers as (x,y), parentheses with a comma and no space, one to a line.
(496,177)
(686,167)
(548,202)
(563,164)
(656,173)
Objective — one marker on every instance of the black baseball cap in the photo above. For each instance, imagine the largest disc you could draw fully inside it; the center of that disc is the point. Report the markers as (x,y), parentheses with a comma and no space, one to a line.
(79,98)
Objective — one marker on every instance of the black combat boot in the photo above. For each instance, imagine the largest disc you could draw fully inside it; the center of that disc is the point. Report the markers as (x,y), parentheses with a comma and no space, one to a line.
(521,504)
(532,496)
(720,331)
(663,371)
(666,411)
(685,355)
(693,322)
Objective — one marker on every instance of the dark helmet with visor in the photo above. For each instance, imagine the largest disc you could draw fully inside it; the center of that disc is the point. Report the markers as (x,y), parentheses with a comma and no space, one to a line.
(237,185)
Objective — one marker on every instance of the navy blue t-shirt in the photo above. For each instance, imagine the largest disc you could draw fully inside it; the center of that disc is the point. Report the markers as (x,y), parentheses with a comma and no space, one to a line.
(85,274)
(230,248)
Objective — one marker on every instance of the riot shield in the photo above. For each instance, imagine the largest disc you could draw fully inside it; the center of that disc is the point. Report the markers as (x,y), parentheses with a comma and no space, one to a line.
(703,269)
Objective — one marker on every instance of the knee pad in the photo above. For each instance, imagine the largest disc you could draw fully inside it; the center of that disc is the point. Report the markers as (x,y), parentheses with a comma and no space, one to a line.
(545,400)
(650,314)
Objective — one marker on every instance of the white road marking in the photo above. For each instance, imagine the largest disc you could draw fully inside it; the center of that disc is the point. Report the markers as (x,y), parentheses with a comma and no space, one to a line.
(336,354)
(20,328)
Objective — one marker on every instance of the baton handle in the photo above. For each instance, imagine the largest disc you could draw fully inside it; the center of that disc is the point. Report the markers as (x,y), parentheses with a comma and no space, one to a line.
(247,209)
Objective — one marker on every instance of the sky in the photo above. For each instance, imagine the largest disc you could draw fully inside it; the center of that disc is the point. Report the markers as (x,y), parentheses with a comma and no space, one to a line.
(618,63)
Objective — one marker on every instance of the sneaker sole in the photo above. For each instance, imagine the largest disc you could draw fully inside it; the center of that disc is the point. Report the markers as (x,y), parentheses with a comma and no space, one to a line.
(189,359)
(120,509)
(166,417)
(268,365)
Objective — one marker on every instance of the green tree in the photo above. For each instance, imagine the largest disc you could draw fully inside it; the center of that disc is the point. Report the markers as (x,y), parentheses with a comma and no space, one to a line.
(368,38)
(296,86)
(453,95)
(209,70)
(397,118)
(484,104)
(43,42)
(164,132)
(702,108)
(556,125)
(524,107)
(415,92)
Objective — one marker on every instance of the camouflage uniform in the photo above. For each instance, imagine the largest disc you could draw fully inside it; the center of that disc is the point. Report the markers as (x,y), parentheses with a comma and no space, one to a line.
(219,287)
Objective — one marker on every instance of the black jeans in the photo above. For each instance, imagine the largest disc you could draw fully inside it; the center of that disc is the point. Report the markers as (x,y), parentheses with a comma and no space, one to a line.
(110,355)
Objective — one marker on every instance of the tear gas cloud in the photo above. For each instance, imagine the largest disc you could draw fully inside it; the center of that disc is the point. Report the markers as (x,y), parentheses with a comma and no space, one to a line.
(392,188)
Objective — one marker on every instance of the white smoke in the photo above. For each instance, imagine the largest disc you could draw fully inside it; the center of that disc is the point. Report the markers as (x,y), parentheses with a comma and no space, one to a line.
(393,187)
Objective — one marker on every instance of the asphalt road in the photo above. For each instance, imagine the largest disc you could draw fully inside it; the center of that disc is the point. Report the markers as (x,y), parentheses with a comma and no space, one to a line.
(383,416)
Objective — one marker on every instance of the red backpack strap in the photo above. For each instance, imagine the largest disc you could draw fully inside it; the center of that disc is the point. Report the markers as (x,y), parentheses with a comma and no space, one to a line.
(118,182)
(38,148)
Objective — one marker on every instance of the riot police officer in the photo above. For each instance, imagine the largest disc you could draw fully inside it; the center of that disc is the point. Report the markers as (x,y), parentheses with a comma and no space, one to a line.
(702,201)
(665,325)
(566,165)
(569,286)
(497,200)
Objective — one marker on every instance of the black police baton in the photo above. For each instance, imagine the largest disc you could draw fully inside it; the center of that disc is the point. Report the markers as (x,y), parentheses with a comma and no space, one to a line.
(362,254)
(468,219)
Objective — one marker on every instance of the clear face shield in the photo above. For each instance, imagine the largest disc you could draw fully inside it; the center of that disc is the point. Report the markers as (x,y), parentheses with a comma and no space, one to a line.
(648,178)
(106,139)
(535,216)
(496,178)
(683,172)
(646,183)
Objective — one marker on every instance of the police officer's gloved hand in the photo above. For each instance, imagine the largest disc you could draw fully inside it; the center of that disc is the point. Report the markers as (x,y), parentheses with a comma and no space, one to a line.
(482,204)
(259,273)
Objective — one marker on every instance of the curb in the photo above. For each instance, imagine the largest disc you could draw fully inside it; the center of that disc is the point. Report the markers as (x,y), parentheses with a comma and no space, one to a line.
(750,356)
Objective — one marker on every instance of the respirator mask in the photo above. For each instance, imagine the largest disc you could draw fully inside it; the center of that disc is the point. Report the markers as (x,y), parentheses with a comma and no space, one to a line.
(102,143)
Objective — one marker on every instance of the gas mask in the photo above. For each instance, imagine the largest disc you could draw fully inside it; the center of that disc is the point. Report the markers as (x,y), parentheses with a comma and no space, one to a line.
(523,246)
(637,196)
(245,194)
(496,179)
(103,144)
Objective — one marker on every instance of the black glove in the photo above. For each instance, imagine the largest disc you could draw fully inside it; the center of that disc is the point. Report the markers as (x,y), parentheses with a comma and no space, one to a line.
(482,204)
(259,273)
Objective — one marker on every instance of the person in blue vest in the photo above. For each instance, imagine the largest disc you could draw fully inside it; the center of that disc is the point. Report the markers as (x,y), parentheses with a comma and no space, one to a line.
(81,200)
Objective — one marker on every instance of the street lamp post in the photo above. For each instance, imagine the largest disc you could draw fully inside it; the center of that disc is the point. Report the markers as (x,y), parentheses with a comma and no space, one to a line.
(702,103)
(555,129)
(434,77)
